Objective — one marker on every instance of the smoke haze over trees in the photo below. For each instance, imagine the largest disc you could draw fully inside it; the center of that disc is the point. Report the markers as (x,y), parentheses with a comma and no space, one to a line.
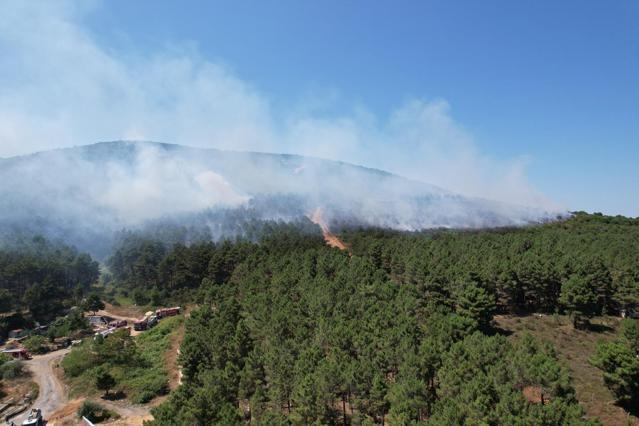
(88,194)
(62,87)
(401,330)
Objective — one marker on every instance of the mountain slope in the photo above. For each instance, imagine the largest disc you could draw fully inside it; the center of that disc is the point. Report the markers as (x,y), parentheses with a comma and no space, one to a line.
(86,193)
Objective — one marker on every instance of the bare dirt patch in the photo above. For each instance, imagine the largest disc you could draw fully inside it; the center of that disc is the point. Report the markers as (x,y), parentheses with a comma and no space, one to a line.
(171,358)
(66,415)
(16,394)
(133,415)
(535,395)
(129,313)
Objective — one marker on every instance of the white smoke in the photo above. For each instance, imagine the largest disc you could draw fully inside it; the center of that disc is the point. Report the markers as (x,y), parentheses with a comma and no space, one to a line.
(156,186)
(61,87)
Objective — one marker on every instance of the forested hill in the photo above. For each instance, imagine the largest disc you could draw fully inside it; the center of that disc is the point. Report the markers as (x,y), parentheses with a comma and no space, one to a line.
(524,268)
(289,330)
(41,277)
(86,194)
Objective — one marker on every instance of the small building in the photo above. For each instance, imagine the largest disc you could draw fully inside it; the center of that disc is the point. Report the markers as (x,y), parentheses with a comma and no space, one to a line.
(98,320)
(167,312)
(18,333)
(40,330)
(17,353)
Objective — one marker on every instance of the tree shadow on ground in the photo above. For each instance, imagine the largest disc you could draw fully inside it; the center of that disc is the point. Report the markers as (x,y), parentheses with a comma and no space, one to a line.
(498,331)
(114,396)
(598,328)
(631,407)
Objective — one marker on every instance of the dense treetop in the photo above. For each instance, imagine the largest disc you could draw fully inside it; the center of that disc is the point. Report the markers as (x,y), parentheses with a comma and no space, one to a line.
(42,276)
(291,331)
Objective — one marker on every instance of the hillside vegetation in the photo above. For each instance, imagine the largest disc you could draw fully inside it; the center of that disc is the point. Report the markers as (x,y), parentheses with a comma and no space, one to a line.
(435,327)
(135,365)
(576,349)
(400,332)
(40,278)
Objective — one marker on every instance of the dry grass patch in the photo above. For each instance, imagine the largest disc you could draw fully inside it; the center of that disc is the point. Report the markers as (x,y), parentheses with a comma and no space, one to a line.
(574,348)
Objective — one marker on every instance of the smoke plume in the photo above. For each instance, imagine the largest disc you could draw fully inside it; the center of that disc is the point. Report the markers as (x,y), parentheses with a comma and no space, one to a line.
(61,87)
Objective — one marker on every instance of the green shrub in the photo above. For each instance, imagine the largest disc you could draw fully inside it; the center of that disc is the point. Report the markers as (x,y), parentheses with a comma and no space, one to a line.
(65,326)
(145,388)
(136,364)
(4,358)
(78,361)
(12,370)
(104,380)
(36,344)
(140,297)
(95,412)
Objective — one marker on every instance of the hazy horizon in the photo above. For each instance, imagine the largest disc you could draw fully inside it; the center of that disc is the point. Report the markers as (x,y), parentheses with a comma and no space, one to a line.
(88,74)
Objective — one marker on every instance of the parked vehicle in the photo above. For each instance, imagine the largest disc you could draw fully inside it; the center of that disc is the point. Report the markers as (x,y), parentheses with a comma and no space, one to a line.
(105,333)
(152,321)
(141,325)
(117,323)
(61,342)
(34,419)
(151,318)
(167,312)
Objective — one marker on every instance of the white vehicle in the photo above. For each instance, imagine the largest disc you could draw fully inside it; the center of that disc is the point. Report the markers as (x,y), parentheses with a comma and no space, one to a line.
(34,419)
(153,319)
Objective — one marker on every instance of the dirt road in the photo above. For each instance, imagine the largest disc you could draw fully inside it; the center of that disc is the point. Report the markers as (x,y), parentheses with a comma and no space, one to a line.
(110,314)
(52,395)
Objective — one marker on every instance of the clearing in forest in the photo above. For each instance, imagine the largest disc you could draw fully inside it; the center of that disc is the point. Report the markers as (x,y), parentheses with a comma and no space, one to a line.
(575,347)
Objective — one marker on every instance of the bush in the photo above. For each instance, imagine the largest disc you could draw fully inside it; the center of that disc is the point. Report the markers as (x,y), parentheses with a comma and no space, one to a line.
(140,297)
(135,364)
(12,370)
(104,380)
(95,412)
(36,344)
(4,358)
(145,388)
(78,361)
(66,326)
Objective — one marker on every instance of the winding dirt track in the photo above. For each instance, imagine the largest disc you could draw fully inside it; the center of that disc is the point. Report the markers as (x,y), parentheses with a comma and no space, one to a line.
(115,316)
(52,395)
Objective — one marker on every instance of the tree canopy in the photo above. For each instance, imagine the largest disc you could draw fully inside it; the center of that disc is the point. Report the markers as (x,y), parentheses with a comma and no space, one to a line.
(398,332)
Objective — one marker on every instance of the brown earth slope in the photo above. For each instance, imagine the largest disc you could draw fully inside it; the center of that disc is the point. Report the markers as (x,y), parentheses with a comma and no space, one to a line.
(575,347)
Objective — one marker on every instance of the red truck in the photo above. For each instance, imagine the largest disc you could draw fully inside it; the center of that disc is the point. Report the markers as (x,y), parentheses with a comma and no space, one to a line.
(167,312)
(141,325)
(117,323)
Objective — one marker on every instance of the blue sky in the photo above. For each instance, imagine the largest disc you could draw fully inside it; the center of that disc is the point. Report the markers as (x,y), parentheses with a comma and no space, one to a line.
(552,87)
